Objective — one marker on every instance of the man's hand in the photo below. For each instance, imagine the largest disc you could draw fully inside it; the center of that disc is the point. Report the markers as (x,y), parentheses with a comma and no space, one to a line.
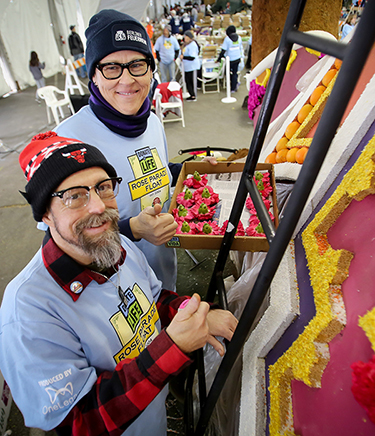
(220,323)
(211,159)
(189,328)
(152,225)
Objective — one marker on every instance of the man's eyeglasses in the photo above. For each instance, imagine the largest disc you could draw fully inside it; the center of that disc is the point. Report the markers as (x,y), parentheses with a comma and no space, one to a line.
(114,70)
(79,196)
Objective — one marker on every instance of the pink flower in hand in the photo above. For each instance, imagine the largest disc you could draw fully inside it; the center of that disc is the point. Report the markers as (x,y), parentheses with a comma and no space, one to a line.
(207,195)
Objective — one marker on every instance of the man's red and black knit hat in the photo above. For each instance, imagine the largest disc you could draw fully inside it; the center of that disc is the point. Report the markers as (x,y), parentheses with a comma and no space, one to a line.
(48,160)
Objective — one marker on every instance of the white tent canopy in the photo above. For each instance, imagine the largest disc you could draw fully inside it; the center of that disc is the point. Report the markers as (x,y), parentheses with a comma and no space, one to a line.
(43,26)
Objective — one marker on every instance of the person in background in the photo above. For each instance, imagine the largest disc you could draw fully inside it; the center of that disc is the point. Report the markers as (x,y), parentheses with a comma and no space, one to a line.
(189,57)
(98,335)
(194,12)
(36,67)
(119,121)
(76,50)
(349,24)
(150,33)
(175,23)
(232,47)
(227,8)
(167,50)
(248,59)
(186,22)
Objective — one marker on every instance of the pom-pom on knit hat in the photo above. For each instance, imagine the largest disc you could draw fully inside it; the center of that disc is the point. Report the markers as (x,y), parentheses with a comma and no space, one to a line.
(48,160)
(110,31)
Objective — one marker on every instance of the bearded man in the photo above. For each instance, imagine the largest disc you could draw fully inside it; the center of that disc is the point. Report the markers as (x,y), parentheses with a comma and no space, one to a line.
(88,337)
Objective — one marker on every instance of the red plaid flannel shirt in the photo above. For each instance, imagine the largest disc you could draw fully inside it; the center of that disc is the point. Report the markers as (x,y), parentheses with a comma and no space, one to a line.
(119,396)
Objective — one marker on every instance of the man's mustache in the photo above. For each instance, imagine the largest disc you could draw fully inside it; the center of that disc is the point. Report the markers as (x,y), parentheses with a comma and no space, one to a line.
(95,220)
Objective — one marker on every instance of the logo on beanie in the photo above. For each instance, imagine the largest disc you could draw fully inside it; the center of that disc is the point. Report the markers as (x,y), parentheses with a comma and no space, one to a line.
(42,155)
(78,155)
(120,36)
(126,37)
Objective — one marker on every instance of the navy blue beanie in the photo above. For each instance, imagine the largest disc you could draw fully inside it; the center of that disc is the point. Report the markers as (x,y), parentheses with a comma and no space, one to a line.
(110,31)
(231,29)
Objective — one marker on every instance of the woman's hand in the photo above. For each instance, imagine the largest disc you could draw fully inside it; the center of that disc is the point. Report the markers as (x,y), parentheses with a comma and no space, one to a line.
(154,226)
(211,159)
(220,323)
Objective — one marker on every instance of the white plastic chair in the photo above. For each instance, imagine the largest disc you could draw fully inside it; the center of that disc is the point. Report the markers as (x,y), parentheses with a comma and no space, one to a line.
(211,74)
(175,106)
(49,95)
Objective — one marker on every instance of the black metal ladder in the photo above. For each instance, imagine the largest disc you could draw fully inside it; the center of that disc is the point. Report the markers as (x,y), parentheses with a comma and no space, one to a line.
(354,56)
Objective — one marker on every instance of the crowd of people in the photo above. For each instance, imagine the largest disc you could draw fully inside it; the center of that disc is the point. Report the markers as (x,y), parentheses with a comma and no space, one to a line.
(179,29)
(178,40)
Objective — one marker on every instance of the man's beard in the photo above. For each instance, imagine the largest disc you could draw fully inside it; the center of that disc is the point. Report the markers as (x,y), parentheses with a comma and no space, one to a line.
(104,249)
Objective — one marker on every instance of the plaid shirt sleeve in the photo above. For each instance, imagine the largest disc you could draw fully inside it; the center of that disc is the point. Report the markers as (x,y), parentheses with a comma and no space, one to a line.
(167,305)
(130,388)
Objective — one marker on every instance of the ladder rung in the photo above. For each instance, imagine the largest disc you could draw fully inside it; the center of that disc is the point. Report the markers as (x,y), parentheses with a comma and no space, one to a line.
(323,45)
(267,224)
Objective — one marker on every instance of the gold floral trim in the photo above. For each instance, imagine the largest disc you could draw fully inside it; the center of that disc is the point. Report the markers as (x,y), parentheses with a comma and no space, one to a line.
(314,52)
(292,58)
(367,322)
(265,80)
(308,356)
(300,142)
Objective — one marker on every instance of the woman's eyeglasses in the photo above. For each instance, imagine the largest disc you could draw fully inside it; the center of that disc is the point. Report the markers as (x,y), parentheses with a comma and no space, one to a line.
(79,196)
(114,70)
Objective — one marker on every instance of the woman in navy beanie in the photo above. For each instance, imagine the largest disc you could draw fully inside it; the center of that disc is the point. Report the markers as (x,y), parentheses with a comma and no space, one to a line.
(119,121)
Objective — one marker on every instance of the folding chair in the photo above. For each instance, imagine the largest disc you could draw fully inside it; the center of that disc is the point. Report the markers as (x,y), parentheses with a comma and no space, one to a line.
(211,73)
(49,95)
(174,104)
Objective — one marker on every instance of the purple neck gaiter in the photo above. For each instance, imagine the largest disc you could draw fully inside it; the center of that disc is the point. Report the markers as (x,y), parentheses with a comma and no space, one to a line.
(130,126)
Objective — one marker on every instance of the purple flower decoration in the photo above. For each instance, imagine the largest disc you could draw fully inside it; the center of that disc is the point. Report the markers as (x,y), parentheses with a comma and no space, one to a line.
(256,94)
